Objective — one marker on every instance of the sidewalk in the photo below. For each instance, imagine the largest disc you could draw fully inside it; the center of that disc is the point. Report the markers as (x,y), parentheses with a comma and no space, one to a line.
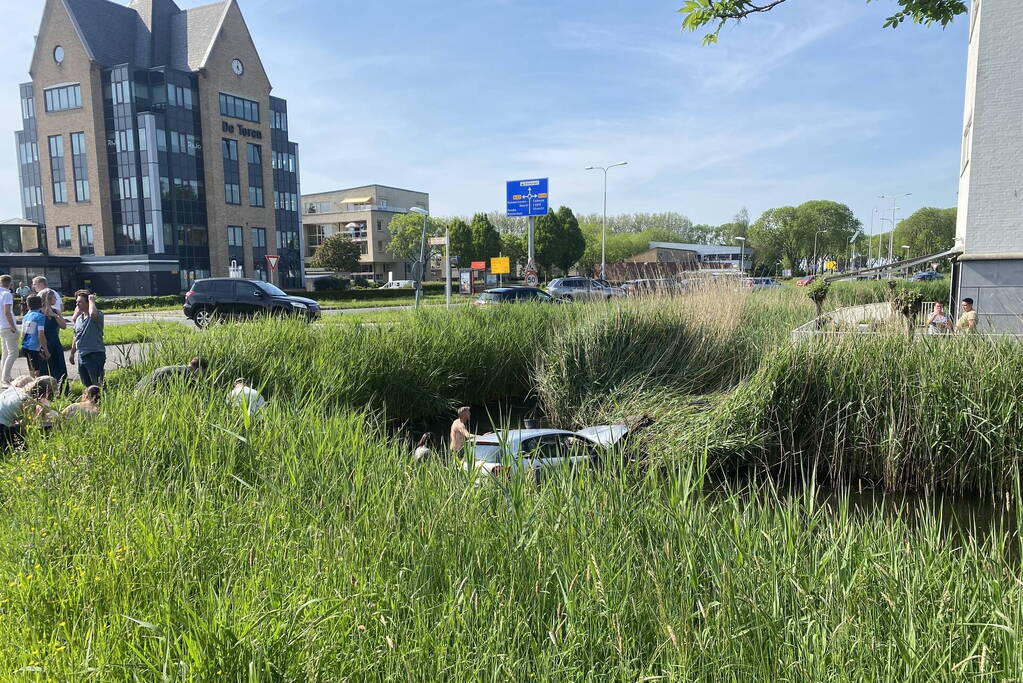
(118,356)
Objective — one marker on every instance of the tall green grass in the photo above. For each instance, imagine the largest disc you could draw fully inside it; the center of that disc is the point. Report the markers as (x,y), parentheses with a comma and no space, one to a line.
(171,541)
(937,413)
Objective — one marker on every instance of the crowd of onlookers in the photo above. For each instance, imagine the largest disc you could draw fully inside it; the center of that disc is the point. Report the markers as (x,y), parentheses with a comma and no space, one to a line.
(27,399)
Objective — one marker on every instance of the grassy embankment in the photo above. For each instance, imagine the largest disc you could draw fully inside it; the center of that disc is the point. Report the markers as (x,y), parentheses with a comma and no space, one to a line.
(171,539)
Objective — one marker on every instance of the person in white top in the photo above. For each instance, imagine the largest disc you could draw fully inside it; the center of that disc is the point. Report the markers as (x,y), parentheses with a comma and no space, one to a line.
(244,396)
(8,329)
(424,449)
(39,284)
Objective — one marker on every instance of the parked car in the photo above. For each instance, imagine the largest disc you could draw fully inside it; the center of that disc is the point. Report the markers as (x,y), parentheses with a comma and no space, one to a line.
(756,283)
(654,286)
(504,453)
(582,289)
(512,295)
(804,281)
(927,275)
(399,284)
(224,297)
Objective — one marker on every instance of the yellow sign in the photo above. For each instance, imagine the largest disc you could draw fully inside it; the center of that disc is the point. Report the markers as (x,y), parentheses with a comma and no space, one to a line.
(831,265)
(500,265)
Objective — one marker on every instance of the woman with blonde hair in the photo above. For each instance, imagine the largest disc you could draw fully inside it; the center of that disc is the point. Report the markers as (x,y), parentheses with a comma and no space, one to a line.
(55,365)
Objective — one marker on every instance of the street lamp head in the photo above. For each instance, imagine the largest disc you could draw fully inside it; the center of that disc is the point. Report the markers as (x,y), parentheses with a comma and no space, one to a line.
(420,211)
(741,239)
(590,168)
(905,246)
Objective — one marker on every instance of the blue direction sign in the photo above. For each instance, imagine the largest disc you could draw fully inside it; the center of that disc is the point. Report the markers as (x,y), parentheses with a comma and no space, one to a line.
(527,197)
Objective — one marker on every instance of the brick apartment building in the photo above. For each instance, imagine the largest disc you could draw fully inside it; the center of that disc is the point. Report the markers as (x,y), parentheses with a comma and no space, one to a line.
(152,153)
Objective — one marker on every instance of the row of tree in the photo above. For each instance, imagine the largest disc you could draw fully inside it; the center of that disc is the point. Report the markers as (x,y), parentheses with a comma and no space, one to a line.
(782,237)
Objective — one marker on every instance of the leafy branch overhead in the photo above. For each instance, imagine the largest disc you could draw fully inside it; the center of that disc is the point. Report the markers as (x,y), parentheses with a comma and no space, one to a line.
(698,14)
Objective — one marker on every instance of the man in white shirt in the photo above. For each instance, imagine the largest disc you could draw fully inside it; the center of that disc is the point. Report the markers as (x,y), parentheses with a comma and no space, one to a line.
(244,396)
(8,330)
(39,284)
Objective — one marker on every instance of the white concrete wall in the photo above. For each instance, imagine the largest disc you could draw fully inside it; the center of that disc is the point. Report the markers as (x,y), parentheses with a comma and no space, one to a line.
(991,186)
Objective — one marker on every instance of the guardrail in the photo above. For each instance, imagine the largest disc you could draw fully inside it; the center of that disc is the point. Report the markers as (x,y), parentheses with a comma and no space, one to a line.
(860,319)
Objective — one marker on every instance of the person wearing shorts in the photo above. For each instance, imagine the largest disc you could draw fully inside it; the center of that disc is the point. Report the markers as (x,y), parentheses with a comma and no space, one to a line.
(33,341)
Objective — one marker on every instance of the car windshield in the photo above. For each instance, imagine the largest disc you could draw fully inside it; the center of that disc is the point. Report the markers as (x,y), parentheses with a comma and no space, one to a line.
(487,452)
(269,288)
(489,296)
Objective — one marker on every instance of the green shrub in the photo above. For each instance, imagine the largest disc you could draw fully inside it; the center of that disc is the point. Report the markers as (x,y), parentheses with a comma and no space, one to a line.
(330,283)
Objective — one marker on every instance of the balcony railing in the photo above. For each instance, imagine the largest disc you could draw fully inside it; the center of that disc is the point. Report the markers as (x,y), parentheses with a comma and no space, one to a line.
(357,208)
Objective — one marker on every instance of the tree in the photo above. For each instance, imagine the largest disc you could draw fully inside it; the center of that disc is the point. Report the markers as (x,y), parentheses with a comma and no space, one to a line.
(547,241)
(486,241)
(515,248)
(836,224)
(573,244)
(407,233)
(779,234)
(461,247)
(927,231)
(338,254)
(717,13)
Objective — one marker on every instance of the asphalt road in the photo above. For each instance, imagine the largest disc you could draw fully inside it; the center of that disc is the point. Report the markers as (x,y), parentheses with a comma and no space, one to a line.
(118,356)
(178,316)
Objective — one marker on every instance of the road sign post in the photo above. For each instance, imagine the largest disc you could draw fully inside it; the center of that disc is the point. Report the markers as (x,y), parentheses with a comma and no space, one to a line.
(529,199)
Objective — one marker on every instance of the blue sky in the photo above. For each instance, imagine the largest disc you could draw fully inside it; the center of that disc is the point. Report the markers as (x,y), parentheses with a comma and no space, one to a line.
(812,101)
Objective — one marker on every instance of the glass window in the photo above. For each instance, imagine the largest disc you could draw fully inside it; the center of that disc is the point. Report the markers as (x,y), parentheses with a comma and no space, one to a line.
(234,236)
(239,108)
(79,167)
(63,236)
(63,98)
(58,179)
(85,244)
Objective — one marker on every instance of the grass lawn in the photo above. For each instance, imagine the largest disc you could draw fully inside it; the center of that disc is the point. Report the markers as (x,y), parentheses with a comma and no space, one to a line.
(134,333)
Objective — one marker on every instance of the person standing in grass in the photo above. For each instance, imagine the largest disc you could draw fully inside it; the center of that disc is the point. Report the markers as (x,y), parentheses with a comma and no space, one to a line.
(939,321)
(967,323)
(460,432)
(8,329)
(33,344)
(88,340)
(56,367)
(39,284)
(196,368)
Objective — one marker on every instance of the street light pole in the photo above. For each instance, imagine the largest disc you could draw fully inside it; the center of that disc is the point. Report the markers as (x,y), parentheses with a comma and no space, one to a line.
(603,230)
(422,254)
(447,265)
(742,255)
(895,209)
(819,232)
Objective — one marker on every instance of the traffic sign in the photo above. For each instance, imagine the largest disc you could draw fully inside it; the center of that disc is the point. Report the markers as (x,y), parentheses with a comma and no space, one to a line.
(437,241)
(272,260)
(527,197)
(478,265)
(532,280)
(500,265)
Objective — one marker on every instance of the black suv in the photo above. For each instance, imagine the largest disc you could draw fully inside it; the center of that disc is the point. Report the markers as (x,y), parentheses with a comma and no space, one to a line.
(225,297)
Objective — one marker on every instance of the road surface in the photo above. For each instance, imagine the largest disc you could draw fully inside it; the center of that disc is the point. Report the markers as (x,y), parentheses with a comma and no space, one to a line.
(179,317)
(117,357)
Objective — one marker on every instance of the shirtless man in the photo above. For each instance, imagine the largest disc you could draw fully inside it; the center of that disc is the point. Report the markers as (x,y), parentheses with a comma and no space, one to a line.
(460,431)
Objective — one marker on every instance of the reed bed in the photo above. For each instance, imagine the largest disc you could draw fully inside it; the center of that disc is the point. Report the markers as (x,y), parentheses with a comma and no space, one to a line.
(172,540)
(937,413)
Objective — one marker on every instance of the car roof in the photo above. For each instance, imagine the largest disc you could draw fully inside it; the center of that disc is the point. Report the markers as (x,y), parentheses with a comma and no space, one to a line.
(515,436)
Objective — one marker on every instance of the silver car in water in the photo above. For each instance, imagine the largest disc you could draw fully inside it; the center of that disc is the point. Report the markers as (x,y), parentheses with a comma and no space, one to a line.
(506,452)
(582,289)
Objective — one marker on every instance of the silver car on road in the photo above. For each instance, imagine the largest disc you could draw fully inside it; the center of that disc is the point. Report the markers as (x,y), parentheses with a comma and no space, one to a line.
(582,289)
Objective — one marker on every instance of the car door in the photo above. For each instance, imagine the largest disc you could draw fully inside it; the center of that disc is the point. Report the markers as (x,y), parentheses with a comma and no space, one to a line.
(249,300)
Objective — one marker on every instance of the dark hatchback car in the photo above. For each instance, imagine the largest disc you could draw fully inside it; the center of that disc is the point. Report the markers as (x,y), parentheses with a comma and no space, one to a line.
(512,295)
(224,297)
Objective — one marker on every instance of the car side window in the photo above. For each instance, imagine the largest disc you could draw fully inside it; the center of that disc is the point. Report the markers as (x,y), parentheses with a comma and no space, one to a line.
(219,288)
(245,290)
